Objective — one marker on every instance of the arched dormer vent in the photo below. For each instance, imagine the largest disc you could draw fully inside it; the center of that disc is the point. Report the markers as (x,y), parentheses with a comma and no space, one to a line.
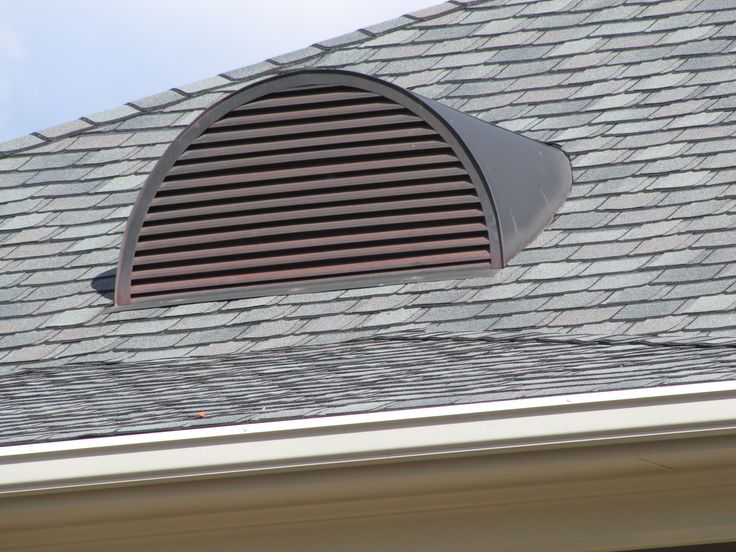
(318,180)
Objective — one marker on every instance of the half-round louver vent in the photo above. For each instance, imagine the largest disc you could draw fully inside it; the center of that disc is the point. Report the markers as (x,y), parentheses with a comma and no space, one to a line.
(319,180)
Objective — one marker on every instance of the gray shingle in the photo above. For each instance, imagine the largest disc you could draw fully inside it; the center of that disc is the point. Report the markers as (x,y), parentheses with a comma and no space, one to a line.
(393,317)
(195,321)
(158,100)
(65,128)
(545,271)
(250,71)
(455,312)
(256,314)
(721,302)
(297,55)
(74,317)
(688,274)
(112,114)
(20,143)
(636,111)
(648,310)
(336,322)
(320,309)
(708,321)
(271,328)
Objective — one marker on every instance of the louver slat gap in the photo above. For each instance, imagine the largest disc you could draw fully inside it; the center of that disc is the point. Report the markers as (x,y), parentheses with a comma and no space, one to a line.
(154,244)
(289,274)
(308,185)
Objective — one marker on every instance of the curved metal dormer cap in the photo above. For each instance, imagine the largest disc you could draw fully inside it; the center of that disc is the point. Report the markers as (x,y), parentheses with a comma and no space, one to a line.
(322,179)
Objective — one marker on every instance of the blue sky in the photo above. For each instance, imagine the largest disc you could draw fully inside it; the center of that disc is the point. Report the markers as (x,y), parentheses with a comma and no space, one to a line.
(62,59)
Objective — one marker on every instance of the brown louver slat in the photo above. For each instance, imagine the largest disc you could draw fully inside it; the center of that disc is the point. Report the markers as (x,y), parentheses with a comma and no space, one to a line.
(185,254)
(305,186)
(316,97)
(270,188)
(321,198)
(306,142)
(324,254)
(165,243)
(160,227)
(319,126)
(318,170)
(305,156)
(310,113)
(290,275)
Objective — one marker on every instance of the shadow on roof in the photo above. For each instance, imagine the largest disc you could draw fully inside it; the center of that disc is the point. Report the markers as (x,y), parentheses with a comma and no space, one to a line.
(104,283)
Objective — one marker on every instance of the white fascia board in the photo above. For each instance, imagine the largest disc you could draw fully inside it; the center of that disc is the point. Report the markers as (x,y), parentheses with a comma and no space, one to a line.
(579,420)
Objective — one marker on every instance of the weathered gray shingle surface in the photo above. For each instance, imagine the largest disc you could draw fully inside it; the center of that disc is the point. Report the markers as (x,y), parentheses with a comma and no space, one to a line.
(640,95)
(371,375)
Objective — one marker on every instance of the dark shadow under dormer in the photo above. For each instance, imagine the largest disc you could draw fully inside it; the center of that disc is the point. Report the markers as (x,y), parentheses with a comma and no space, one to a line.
(104,283)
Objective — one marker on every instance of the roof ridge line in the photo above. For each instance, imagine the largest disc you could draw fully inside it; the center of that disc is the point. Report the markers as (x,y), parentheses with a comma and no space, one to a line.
(552,338)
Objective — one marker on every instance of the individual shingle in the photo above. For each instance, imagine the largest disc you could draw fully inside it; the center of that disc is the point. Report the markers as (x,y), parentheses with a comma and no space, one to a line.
(21,143)
(381,303)
(658,325)
(688,274)
(711,303)
(455,312)
(708,321)
(687,35)
(584,316)
(98,141)
(336,322)
(506,291)
(158,100)
(65,128)
(264,313)
(250,71)
(112,114)
(73,317)
(60,175)
(530,319)
(204,321)
(648,310)
(625,280)
(297,55)
(268,329)
(433,11)
(208,336)
(323,308)
(152,120)
(392,317)
(545,271)
(619,28)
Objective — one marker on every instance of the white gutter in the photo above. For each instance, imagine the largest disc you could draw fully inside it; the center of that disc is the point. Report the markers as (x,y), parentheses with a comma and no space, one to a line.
(502,426)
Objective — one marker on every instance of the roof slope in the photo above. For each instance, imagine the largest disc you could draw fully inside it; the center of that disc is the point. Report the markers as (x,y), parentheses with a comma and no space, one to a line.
(640,94)
(371,375)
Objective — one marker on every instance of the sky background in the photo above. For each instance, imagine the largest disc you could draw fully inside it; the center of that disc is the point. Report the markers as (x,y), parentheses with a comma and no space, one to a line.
(62,59)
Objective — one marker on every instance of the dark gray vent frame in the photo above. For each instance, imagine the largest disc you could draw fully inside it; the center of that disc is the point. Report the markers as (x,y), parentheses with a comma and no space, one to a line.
(520,184)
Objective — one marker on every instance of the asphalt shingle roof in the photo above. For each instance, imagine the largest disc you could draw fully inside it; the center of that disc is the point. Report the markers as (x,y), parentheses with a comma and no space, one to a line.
(371,375)
(639,94)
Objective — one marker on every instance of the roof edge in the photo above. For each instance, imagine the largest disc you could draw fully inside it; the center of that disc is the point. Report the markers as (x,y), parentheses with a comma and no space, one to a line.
(564,421)
(241,75)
